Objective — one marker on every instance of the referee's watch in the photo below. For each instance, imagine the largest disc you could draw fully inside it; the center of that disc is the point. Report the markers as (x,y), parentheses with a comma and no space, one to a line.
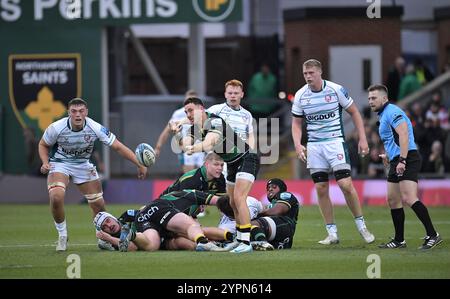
(402,160)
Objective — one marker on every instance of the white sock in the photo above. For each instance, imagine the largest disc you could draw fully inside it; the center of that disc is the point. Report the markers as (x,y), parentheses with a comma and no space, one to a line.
(331,228)
(61,228)
(238,235)
(360,224)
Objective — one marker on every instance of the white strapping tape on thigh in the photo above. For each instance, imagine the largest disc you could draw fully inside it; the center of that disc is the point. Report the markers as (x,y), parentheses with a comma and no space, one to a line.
(273,228)
(54,185)
(94,197)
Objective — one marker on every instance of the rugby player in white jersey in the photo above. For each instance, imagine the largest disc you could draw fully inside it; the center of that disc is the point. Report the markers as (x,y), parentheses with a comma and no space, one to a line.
(65,149)
(233,113)
(319,104)
(188,162)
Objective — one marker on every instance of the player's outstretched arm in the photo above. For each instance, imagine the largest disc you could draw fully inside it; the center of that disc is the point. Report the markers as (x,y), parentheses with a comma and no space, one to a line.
(125,152)
(162,139)
(211,139)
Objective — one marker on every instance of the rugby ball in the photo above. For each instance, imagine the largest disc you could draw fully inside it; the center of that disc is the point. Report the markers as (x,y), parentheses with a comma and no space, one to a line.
(145,154)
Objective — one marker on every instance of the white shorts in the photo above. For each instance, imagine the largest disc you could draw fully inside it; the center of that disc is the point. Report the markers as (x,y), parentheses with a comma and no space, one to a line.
(327,155)
(80,173)
(196,159)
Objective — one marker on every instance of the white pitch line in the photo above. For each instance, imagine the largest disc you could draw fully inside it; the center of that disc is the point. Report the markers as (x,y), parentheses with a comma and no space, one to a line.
(15,266)
(40,245)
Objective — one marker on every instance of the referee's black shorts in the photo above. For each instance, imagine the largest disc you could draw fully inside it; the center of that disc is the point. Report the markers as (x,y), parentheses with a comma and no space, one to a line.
(413,165)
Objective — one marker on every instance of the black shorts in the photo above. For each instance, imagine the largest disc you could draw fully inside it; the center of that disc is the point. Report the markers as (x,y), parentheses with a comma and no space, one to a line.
(156,216)
(248,163)
(413,165)
(284,231)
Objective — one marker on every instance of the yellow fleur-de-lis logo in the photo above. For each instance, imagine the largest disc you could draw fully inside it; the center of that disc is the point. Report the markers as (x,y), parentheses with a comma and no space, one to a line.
(45,109)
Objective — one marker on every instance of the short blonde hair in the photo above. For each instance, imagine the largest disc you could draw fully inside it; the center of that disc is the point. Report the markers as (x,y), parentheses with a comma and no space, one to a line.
(312,62)
(234,82)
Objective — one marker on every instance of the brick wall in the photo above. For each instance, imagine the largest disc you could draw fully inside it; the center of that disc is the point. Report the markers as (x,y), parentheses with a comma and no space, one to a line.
(443,29)
(311,38)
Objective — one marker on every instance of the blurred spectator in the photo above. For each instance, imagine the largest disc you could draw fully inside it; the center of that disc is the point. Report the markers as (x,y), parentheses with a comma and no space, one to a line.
(352,145)
(263,89)
(423,73)
(417,114)
(447,153)
(394,78)
(31,151)
(446,68)
(437,112)
(375,168)
(435,162)
(409,83)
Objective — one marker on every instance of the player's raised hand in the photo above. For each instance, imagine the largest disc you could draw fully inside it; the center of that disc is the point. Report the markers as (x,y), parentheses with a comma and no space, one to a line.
(45,168)
(175,127)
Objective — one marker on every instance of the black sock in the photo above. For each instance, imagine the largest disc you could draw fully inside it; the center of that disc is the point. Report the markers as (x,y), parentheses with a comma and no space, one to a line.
(201,239)
(228,236)
(257,234)
(398,217)
(422,213)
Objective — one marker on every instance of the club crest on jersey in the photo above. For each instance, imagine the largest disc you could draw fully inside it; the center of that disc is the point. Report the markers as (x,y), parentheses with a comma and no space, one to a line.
(87,137)
(340,156)
(41,85)
(328,98)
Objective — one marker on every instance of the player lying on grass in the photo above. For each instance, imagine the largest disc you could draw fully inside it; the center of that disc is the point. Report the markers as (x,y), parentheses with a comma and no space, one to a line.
(276,224)
(162,218)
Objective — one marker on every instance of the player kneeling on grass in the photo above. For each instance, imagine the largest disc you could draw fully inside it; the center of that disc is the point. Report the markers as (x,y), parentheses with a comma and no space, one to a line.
(163,217)
(274,226)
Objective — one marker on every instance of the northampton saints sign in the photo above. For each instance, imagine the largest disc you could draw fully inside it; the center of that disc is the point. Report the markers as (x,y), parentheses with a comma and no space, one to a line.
(41,85)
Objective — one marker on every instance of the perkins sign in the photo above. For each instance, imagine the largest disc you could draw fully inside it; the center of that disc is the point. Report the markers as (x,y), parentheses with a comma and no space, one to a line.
(118,11)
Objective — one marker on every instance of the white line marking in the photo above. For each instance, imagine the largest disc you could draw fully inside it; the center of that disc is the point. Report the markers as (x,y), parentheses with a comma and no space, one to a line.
(40,245)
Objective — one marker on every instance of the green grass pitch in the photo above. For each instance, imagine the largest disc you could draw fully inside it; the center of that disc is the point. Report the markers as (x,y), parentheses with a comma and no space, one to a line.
(27,235)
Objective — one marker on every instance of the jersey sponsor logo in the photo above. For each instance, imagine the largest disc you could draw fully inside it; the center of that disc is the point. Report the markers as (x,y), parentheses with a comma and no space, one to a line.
(105,131)
(164,217)
(321,116)
(41,85)
(74,152)
(216,122)
(285,195)
(146,216)
(345,92)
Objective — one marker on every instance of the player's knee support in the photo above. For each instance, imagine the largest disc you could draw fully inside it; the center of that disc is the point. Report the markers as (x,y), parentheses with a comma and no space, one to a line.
(319,177)
(342,174)
(56,186)
(93,197)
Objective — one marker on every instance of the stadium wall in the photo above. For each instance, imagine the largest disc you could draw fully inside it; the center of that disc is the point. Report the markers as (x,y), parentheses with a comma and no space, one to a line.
(28,189)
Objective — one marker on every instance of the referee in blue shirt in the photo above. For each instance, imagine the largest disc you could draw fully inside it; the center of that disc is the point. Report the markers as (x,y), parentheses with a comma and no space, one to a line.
(396,133)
